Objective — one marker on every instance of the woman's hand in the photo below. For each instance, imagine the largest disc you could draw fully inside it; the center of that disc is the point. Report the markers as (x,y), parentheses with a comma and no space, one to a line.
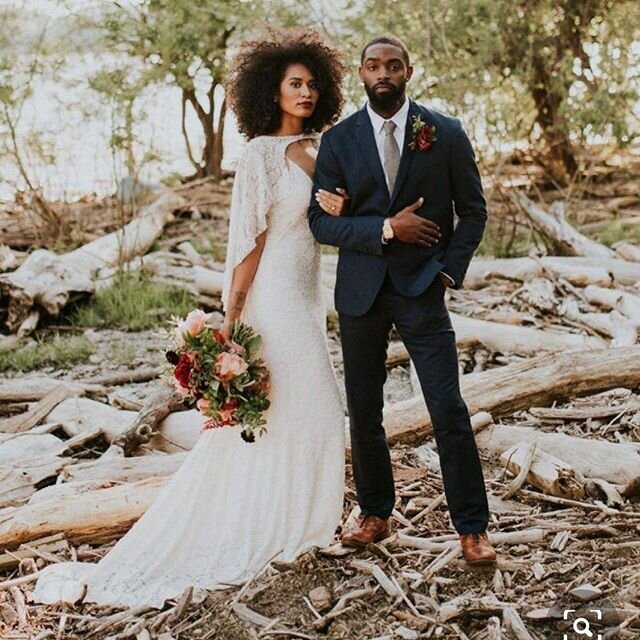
(334,205)
(226,330)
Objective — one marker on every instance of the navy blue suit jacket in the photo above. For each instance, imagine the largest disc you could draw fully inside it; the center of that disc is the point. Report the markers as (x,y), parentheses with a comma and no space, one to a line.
(446,175)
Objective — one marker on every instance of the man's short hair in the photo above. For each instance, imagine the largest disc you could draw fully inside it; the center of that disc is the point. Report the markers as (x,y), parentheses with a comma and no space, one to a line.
(396,42)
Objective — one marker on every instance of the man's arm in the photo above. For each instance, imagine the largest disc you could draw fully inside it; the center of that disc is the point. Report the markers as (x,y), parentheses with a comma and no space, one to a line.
(357,233)
(470,207)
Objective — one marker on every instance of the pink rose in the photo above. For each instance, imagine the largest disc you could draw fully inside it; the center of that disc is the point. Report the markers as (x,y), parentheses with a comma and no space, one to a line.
(203,405)
(192,324)
(229,366)
(238,348)
(183,391)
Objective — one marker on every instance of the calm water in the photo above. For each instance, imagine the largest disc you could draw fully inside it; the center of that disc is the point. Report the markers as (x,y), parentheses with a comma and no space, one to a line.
(75,125)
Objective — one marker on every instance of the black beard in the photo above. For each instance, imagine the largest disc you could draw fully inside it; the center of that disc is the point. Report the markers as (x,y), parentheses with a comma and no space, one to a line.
(385,101)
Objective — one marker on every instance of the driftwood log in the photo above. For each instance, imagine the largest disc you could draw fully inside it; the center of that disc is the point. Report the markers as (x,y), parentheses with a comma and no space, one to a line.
(30,458)
(115,469)
(29,388)
(592,458)
(625,303)
(24,421)
(544,471)
(554,226)
(536,381)
(97,516)
(504,338)
(613,324)
(46,282)
(164,401)
(77,415)
(579,271)
(627,251)
(509,338)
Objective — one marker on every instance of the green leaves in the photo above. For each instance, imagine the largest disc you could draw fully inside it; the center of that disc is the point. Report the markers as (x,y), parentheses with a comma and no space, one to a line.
(507,65)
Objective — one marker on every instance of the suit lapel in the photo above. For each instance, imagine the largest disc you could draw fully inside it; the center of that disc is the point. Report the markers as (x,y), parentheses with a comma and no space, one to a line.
(367,142)
(406,157)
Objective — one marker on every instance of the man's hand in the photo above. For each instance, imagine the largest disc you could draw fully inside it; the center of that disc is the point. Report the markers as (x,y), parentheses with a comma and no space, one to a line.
(413,229)
(444,279)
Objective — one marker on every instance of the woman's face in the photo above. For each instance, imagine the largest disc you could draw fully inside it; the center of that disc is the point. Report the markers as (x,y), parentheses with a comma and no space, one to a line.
(298,91)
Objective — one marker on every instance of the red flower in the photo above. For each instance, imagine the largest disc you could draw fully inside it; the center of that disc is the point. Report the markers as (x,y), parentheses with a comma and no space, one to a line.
(424,139)
(182,372)
(219,337)
(226,413)
(424,135)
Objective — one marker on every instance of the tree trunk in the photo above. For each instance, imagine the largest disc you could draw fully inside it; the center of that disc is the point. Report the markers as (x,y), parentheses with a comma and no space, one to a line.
(560,159)
(217,150)
(210,163)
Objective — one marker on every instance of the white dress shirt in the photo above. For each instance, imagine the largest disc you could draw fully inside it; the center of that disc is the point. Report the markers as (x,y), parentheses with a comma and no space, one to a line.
(400,119)
(377,122)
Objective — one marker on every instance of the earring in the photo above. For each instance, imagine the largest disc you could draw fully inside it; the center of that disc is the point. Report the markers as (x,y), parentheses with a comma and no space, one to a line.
(275,98)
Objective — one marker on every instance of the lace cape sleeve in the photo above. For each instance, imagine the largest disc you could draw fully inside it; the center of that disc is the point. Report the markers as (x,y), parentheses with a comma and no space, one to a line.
(251,199)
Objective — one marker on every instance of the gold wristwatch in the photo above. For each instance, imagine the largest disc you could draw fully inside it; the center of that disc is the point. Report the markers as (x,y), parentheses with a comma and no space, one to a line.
(387,230)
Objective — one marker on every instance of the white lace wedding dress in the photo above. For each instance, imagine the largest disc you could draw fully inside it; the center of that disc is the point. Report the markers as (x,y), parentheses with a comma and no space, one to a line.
(232,506)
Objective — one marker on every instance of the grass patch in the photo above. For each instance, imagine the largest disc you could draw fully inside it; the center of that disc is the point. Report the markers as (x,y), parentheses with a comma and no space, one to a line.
(56,351)
(502,241)
(209,245)
(133,303)
(121,352)
(616,231)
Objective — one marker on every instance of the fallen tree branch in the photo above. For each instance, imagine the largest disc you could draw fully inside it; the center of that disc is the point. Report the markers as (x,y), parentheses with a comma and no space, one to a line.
(565,238)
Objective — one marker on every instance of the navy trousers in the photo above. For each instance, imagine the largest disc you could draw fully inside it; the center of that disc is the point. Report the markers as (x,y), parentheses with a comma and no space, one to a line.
(425,327)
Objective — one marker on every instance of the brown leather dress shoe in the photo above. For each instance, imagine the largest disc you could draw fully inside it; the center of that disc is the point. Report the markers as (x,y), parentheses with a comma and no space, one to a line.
(366,530)
(477,549)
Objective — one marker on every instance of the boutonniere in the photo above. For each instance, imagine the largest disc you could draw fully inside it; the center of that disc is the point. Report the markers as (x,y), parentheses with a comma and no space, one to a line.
(424,135)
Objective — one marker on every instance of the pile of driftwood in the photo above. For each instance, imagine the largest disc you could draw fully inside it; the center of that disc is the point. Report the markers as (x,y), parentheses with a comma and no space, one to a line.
(42,283)
(536,332)
(563,486)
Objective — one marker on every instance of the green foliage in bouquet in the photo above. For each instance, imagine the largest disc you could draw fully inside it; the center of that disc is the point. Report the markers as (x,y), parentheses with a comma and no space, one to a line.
(227,382)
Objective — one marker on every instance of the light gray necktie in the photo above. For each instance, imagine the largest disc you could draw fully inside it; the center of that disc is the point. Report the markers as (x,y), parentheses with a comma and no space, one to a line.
(391,153)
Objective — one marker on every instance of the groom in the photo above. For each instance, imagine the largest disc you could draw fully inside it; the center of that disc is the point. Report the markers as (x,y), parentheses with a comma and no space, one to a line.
(406,169)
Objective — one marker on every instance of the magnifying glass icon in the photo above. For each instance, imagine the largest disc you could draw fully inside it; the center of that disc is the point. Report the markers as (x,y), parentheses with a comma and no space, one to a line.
(583,629)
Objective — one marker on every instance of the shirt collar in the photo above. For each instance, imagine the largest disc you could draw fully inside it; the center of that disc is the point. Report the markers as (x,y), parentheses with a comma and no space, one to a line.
(399,117)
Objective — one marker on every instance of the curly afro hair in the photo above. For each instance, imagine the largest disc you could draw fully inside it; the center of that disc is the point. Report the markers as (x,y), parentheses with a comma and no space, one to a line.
(259,67)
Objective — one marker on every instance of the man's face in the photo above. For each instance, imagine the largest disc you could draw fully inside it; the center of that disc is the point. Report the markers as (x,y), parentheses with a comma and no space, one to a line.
(384,73)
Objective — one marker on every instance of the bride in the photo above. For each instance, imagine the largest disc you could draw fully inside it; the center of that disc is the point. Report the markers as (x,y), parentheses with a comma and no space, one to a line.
(232,507)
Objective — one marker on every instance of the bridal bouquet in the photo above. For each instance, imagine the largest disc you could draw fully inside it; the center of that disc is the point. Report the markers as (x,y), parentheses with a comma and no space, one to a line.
(228,383)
